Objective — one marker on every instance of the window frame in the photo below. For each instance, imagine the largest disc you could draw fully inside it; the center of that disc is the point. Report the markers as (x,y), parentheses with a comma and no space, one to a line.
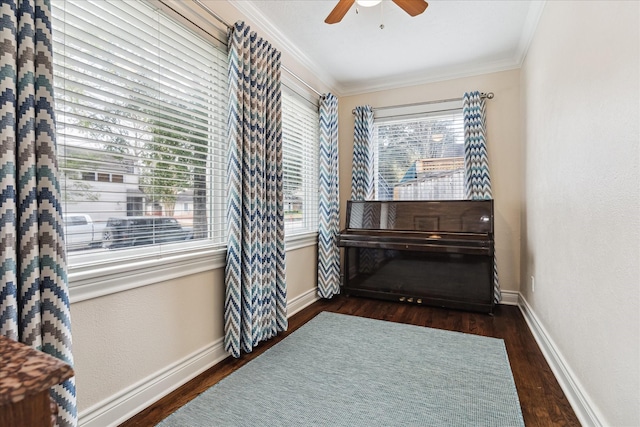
(92,274)
(90,278)
(417,111)
(304,100)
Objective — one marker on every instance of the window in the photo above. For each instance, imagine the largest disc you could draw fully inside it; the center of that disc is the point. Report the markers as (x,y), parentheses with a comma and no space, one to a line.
(86,176)
(75,220)
(300,135)
(419,155)
(141,104)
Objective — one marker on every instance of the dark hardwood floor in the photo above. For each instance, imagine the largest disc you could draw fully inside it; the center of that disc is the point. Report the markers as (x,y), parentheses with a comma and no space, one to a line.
(541,398)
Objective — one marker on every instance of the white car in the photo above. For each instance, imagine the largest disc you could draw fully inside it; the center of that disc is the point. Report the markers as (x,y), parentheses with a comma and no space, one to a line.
(80,232)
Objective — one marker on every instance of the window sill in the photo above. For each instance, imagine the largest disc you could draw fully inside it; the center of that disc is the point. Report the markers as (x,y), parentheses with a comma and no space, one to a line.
(90,280)
(298,241)
(94,280)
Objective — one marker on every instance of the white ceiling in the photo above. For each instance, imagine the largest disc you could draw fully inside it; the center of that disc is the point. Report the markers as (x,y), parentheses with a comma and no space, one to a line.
(450,39)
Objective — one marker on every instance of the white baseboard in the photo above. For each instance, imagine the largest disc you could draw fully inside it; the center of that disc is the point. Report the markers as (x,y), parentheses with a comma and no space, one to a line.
(509,297)
(125,404)
(302,301)
(579,400)
(128,402)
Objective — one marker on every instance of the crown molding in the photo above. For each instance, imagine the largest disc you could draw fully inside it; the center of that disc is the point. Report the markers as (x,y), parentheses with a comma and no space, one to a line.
(415,79)
(248,9)
(530,26)
(450,73)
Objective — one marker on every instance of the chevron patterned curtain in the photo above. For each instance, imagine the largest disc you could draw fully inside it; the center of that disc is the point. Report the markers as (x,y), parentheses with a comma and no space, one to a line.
(329,214)
(476,162)
(34,297)
(362,178)
(362,170)
(256,296)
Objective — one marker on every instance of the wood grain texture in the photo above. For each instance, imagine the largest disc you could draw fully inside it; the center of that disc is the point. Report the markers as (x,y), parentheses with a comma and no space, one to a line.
(541,398)
(339,11)
(412,7)
(26,375)
(25,371)
(34,410)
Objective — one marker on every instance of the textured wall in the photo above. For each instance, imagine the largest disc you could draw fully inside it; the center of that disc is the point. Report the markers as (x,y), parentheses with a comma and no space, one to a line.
(581,218)
(504,148)
(123,338)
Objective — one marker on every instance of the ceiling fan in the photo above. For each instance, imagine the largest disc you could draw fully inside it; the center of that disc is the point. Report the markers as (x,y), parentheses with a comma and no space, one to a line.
(412,7)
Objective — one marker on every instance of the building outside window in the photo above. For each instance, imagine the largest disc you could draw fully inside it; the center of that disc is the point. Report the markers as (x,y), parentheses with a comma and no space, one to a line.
(141,104)
(419,155)
(141,109)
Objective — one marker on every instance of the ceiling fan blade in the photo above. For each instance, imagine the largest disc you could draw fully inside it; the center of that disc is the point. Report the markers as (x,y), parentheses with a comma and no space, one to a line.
(412,7)
(339,11)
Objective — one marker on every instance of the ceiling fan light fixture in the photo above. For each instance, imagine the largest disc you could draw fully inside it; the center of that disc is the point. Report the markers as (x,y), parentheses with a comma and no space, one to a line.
(368,3)
(412,7)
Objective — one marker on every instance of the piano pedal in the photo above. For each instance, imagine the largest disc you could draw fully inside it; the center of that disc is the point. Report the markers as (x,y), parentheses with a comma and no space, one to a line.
(410,299)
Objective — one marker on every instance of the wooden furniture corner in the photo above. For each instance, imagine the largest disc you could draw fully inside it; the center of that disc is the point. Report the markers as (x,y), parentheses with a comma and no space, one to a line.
(26,375)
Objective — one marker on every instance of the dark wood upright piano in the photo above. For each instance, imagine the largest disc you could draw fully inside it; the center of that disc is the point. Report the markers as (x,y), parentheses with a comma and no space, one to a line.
(423,252)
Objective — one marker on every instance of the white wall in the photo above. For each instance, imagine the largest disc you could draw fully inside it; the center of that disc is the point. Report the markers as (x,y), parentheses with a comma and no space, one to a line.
(123,338)
(131,347)
(127,341)
(581,219)
(503,145)
(580,112)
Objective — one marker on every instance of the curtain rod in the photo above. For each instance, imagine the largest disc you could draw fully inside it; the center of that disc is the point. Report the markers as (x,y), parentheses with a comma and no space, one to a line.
(223,22)
(488,95)
(212,13)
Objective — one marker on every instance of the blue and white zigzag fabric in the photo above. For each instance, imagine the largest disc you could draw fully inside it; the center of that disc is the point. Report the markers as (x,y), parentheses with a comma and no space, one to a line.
(256,296)
(362,176)
(477,178)
(362,170)
(329,213)
(476,161)
(34,296)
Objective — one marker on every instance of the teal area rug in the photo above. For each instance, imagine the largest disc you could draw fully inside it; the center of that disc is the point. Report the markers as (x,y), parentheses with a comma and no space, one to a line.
(340,370)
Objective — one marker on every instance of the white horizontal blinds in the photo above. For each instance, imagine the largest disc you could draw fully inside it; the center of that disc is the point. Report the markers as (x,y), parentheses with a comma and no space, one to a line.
(141,109)
(419,156)
(300,135)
